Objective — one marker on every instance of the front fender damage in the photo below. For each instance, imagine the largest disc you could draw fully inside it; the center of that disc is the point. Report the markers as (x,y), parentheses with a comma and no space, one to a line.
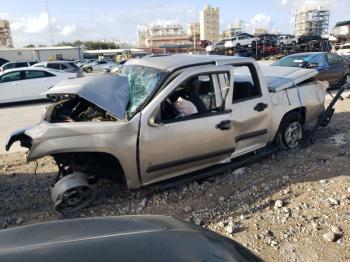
(21,136)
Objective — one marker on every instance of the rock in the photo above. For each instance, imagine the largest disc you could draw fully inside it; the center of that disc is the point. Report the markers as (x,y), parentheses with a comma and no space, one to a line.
(19,221)
(198,221)
(349,189)
(239,171)
(333,201)
(323,182)
(242,217)
(330,236)
(286,210)
(336,230)
(285,178)
(188,209)
(232,228)
(278,204)
(221,199)
(143,203)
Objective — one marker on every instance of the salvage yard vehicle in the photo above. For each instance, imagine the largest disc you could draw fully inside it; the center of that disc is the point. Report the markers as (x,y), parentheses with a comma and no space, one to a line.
(99,65)
(287,40)
(28,83)
(166,117)
(331,67)
(125,238)
(66,66)
(12,65)
(240,40)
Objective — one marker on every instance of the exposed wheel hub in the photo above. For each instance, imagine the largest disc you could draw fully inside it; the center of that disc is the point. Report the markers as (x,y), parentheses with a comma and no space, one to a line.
(293,135)
(71,193)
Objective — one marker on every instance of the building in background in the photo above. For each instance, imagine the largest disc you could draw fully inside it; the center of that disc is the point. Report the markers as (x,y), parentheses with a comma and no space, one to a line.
(210,24)
(41,54)
(311,21)
(233,29)
(166,36)
(5,34)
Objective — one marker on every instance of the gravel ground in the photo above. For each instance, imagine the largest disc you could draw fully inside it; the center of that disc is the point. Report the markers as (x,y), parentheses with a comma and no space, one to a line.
(292,206)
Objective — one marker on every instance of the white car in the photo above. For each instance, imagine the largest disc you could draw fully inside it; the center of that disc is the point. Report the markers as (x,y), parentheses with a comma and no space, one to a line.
(344,50)
(99,65)
(29,83)
(240,40)
(287,40)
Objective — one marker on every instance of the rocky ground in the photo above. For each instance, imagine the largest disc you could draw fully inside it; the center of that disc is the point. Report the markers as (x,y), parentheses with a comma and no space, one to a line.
(292,206)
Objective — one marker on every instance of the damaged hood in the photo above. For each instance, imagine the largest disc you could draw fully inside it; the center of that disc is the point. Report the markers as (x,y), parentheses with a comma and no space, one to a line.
(111,93)
(281,77)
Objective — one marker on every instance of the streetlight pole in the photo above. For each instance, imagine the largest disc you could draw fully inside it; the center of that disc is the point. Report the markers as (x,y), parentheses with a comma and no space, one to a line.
(50,26)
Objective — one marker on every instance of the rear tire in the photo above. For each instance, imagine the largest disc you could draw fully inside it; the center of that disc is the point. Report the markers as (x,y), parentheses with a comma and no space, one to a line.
(291,132)
(89,70)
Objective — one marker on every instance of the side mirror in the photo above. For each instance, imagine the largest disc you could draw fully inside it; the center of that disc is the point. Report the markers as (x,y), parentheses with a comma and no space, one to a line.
(153,122)
(312,65)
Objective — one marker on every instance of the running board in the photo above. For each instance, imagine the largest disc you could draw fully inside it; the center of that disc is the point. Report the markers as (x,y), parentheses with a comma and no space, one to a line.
(215,170)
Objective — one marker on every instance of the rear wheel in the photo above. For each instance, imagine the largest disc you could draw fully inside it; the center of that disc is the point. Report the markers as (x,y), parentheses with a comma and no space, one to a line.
(291,132)
(89,70)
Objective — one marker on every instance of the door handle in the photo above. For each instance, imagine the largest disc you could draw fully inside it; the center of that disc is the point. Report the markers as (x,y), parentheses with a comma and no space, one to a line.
(260,107)
(224,125)
(325,69)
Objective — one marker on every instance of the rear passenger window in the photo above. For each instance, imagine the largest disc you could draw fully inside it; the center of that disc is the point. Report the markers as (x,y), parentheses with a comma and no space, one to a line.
(24,64)
(35,74)
(63,67)
(246,84)
(54,66)
(333,59)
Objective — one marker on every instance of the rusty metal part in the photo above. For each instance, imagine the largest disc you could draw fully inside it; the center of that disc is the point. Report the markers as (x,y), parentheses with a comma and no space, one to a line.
(71,193)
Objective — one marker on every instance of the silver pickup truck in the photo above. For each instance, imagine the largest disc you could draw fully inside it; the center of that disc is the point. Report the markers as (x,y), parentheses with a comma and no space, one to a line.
(166,116)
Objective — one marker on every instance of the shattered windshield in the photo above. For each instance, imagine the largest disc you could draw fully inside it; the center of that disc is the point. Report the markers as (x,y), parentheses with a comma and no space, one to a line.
(142,82)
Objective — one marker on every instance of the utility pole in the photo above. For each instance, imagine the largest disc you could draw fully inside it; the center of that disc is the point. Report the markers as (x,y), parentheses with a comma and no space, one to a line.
(50,25)
(194,30)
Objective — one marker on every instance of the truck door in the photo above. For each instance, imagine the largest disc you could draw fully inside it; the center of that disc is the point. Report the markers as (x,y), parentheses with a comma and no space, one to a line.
(250,109)
(187,126)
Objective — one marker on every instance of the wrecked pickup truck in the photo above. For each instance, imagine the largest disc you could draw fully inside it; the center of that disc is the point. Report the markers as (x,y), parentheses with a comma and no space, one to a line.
(167,116)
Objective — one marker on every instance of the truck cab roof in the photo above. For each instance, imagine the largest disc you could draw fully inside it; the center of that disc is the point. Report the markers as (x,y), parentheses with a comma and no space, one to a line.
(177,61)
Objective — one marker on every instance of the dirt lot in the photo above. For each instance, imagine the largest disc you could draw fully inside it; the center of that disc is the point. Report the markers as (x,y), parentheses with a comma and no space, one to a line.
(293,206)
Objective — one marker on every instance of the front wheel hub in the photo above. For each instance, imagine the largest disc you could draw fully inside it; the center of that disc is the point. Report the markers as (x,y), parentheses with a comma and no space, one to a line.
(72,193)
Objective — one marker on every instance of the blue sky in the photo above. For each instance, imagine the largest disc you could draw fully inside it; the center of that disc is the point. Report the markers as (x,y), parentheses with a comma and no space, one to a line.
(118,20)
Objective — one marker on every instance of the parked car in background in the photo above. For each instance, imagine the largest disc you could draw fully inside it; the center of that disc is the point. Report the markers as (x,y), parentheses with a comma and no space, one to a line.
(99,65)
(331,67)
(344,50)
(309,39)
(267,39)
(28,83)
(85,62)
(242,39)
(11,65)
(287,40)
(66,66)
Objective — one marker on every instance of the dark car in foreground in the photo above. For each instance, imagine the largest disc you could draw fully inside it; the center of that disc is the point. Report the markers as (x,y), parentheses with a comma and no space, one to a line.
(127,238)
(331,67)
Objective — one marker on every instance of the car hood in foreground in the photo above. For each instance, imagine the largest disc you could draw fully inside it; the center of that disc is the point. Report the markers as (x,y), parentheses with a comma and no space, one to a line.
(109,92)
(126,238)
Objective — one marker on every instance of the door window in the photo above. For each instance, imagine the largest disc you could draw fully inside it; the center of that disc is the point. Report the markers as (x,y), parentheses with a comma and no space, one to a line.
(195,97)
(13,76)
(32,74)
(246,83)
(63,67)
(318,59)
(333,59)
(54,66)
(21,64)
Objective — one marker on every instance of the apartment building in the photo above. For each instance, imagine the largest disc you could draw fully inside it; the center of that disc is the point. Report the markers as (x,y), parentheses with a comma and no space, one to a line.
(209,24)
